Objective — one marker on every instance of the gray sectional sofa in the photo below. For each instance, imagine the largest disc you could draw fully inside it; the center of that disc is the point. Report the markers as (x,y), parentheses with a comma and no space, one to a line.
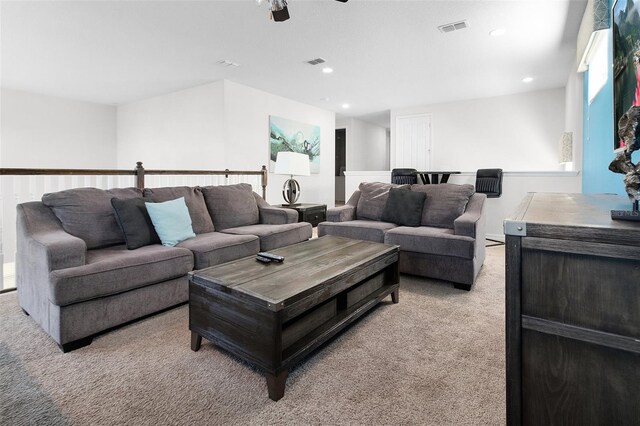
(448,244)
(76,277)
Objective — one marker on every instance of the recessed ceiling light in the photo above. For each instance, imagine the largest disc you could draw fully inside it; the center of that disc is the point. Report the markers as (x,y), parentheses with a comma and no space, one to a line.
(527,79)
(345,106)
(497,32)
(327,70)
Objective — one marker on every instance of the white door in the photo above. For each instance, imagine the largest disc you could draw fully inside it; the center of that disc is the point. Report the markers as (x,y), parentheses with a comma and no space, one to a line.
(413,142)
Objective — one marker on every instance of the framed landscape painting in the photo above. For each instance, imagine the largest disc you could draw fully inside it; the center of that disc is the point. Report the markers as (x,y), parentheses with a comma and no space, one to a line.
(625,15)
(290,135)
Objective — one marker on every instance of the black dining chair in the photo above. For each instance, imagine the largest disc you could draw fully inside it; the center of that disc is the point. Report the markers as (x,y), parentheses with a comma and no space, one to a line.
(489,181)
(404,176)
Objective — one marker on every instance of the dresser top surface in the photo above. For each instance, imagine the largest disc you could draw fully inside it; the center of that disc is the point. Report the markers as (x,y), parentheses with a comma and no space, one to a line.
(544,212)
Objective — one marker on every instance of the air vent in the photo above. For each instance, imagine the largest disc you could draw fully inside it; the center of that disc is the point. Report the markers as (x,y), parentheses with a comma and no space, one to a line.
(316,61)
(454,26)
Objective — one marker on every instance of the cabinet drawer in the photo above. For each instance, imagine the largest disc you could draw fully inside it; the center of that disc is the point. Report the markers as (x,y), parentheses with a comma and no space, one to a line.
(313,216)
(595,292)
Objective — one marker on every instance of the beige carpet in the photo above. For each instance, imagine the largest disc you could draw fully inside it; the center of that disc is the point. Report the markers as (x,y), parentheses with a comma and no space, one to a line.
(436,358)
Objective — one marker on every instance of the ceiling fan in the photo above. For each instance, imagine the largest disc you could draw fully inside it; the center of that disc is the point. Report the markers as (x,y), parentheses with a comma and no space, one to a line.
(279,10)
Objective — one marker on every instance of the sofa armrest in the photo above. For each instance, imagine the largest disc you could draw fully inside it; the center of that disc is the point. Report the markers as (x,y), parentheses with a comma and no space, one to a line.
(42,240)
(57,250)
(341,214)
(271,215)
(277,215)
(346,212)
(471,222)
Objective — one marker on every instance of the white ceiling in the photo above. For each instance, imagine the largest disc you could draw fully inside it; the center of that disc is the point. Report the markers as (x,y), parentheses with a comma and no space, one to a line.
(386,54)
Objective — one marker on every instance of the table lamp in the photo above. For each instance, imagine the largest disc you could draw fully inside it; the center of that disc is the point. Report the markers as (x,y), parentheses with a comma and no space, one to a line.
(292,163)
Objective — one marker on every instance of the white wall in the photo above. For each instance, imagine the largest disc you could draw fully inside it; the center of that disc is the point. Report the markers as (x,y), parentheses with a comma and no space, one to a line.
(222,125)
(44,131)
(367,145)
(573,116)
(514,132)
(247,112)
(180,130)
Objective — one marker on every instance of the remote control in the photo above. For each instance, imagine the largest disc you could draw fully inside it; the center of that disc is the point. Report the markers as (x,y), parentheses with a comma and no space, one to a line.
(263,259)
(625,215)
(271,256)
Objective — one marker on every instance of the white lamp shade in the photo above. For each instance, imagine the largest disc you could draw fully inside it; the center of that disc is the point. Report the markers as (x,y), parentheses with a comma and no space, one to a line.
(292,163)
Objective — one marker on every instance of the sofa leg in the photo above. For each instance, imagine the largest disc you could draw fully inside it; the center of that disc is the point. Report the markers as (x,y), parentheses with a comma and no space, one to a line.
(76,344)
(459,286)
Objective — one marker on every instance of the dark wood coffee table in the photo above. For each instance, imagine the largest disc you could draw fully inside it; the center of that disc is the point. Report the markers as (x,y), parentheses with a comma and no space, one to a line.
(272,315)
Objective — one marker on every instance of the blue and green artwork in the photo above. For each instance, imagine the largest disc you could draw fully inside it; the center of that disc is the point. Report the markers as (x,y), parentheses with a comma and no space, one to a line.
(290,135)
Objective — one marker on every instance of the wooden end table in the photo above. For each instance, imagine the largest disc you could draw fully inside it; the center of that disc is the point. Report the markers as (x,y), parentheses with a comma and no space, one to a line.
(312,213)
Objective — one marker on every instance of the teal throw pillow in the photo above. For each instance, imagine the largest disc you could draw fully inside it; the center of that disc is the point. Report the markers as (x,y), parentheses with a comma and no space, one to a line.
(171,220)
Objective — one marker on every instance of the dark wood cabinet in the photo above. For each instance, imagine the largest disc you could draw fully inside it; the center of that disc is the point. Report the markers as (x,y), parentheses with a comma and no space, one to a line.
(572,312)
(312,213)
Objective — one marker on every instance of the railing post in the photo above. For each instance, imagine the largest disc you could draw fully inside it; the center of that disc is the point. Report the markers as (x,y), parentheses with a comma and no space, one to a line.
(139,175)
(265,176)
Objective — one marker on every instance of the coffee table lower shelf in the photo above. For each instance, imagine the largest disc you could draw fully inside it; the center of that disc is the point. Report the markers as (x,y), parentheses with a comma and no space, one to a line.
(269,340)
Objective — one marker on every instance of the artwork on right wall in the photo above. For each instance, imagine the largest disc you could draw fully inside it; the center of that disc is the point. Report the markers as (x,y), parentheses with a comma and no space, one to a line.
(626,62)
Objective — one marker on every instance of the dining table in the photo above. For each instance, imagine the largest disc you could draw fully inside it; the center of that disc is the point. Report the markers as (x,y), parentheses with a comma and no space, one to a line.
(437,176)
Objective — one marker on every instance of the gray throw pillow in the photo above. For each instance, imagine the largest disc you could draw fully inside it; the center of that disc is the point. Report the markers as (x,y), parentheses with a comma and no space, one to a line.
(445,202)
(373,197)
(231,206)
(200,219)
(86,213)
(404,207)
(134,220)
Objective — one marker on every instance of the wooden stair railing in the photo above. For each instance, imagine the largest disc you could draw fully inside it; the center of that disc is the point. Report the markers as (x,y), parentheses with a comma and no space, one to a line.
(139,172)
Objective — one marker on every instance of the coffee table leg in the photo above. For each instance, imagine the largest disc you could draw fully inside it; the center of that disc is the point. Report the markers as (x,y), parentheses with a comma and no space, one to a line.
(275,384)
(196,340)
(395,295)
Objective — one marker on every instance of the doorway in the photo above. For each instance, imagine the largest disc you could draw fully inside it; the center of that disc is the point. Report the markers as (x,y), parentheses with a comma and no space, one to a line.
(341,165)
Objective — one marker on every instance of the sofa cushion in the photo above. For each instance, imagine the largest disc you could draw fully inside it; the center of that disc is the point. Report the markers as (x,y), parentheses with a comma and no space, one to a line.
(274,236)
(231,206)
(115,270)
(171,221)
(86,213)
(214,248)
(200,219)
(134,220)
(430,240)
(404,207)
(444,203)
(369,230)
(373,197)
